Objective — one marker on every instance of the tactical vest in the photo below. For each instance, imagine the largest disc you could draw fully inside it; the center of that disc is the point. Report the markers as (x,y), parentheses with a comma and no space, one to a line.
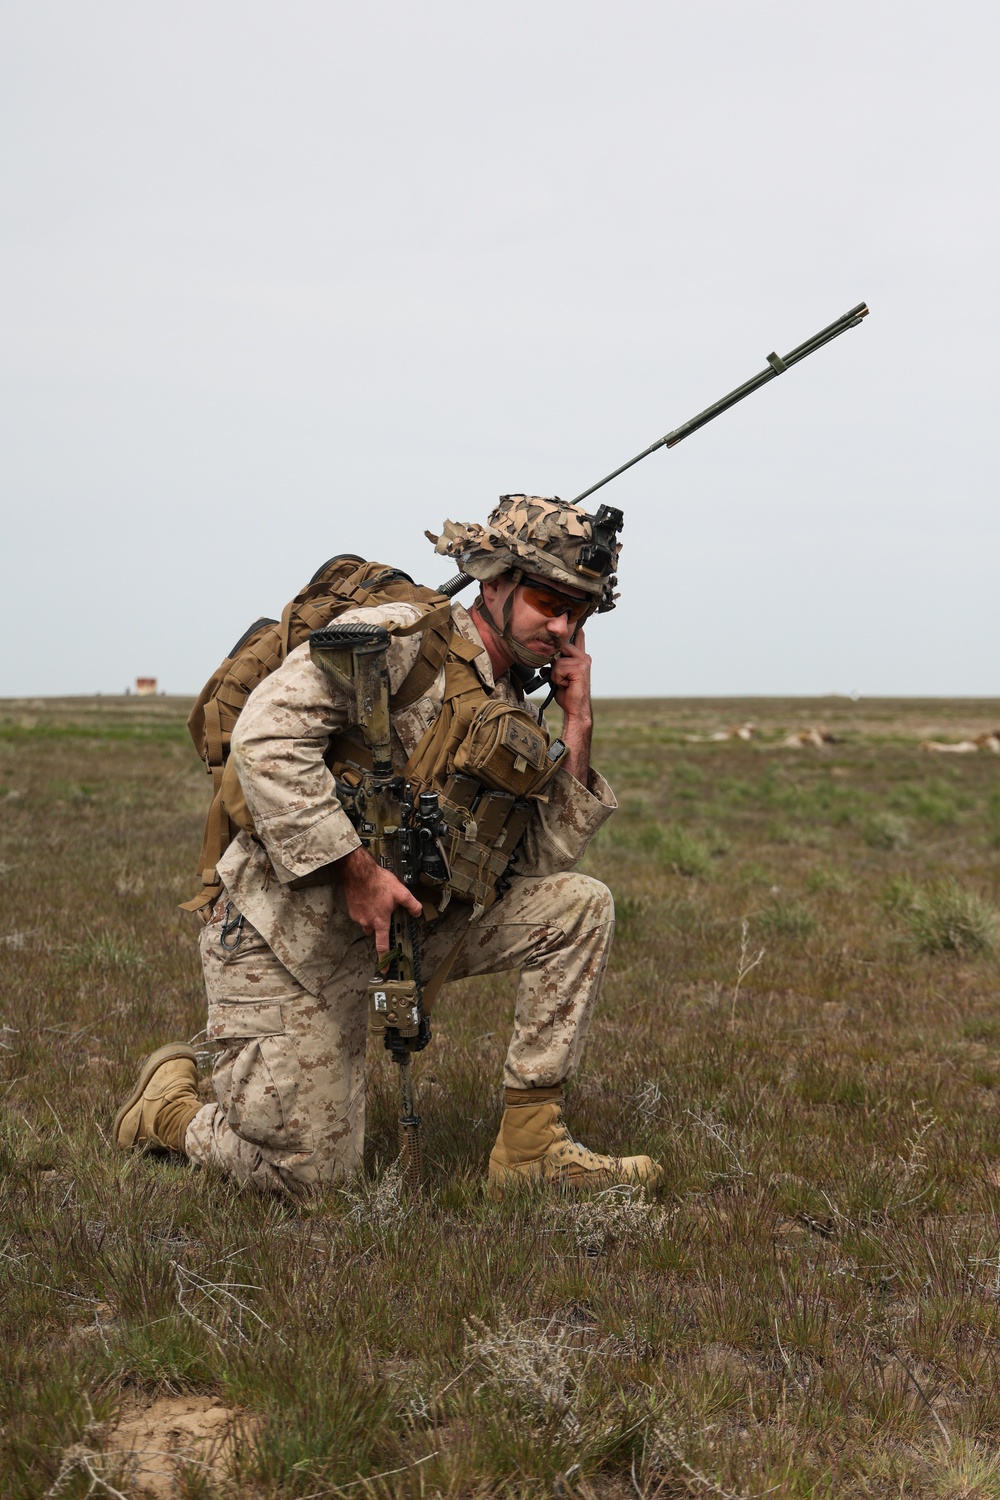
(488,760)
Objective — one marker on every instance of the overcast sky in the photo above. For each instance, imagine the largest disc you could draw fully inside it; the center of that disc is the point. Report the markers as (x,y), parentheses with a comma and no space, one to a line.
(286,280)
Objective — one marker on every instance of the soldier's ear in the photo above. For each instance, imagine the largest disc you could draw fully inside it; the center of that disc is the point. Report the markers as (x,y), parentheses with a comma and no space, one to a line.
(495,589)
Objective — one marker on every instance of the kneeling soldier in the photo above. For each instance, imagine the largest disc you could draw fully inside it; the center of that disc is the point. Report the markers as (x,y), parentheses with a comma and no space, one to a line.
(286,947)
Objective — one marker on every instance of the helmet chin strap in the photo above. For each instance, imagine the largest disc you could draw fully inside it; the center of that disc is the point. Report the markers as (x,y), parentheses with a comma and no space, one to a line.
(533,659)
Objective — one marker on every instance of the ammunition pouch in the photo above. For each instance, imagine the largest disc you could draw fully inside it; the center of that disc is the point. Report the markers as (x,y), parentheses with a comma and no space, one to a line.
(484,829)
(503,764)
(507,750)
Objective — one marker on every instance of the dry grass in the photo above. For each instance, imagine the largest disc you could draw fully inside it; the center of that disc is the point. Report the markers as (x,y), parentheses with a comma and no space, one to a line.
(810,1306)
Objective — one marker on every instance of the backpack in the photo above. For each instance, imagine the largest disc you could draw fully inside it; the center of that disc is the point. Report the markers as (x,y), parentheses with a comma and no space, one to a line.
(345,582)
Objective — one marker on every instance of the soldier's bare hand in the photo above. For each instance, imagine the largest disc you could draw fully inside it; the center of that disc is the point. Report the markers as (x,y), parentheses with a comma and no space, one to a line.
(372,895)
(570,677)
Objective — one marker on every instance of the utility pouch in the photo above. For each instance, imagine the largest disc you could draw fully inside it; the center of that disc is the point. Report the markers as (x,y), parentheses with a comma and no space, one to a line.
(483,829)
(507,750)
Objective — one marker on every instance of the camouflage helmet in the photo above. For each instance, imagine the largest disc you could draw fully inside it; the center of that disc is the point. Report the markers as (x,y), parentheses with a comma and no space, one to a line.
(546,537)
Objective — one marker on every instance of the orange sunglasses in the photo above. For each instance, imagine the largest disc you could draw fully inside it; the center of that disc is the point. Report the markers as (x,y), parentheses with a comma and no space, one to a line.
(550,603)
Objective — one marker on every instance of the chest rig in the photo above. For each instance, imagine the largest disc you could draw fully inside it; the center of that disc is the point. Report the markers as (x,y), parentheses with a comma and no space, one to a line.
(487,760)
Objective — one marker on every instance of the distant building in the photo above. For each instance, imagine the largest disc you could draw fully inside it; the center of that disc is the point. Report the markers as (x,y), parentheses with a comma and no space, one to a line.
(145,686)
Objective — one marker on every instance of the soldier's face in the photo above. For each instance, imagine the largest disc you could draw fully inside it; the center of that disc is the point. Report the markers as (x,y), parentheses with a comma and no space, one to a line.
(543,615)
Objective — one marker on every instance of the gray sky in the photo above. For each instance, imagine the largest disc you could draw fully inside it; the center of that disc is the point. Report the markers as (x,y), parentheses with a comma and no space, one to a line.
(286,280)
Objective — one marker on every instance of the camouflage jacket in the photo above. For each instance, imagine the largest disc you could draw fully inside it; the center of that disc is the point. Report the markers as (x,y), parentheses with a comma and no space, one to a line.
(278,746)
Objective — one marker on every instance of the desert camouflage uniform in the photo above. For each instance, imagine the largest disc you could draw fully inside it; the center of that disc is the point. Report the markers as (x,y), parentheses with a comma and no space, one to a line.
(287,1004)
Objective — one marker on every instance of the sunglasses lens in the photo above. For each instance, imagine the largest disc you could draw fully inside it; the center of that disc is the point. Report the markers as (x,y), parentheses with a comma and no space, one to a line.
(550,604)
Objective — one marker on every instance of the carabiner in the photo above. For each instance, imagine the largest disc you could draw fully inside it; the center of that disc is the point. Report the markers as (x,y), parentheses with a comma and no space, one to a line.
(229,927)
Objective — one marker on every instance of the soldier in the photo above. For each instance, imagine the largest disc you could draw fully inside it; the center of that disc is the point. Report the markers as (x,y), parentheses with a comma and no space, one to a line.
(287,946)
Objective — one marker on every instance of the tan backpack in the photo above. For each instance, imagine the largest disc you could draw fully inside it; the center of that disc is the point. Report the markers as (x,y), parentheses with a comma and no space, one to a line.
(345,582)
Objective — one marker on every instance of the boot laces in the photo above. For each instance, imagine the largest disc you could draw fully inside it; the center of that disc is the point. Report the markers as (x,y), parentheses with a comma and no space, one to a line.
(562,1135)
(573,1147)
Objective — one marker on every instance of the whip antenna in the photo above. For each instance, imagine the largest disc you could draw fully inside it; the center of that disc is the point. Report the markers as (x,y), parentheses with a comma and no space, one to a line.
(776,365)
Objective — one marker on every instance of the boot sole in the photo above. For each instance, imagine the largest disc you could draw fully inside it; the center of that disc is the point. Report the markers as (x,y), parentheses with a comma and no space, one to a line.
(563,1184)
(156,1060)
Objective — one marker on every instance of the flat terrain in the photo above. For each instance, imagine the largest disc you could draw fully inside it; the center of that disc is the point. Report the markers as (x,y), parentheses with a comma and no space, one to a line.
(802,1020)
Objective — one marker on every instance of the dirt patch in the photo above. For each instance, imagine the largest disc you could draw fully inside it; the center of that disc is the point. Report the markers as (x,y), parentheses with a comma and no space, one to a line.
(158,1438)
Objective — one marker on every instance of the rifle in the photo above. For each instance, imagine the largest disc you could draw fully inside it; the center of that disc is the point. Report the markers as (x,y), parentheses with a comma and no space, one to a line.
(608,521)
(403,836)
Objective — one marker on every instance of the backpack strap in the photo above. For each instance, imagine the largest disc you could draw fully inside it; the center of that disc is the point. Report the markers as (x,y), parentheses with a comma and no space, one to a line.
(437,636)
(463,697)
(213,736)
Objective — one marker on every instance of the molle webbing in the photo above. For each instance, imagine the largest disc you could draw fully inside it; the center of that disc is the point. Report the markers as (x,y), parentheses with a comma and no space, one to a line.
(464,695)
(485,814)
(484,825)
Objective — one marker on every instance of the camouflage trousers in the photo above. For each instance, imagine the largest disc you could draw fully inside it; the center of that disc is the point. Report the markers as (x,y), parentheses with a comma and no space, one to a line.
(289,1073)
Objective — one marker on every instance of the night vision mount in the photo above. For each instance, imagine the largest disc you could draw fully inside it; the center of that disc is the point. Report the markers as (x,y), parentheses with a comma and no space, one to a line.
(598,556)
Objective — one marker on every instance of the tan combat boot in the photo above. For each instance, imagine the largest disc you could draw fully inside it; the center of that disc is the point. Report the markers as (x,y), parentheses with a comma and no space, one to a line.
(535,1146)
(163,1103)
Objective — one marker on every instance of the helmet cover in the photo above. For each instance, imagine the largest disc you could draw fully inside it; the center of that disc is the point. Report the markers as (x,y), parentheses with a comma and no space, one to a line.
(544,537)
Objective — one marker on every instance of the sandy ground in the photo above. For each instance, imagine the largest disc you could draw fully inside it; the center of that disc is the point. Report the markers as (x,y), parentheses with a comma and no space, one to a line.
(159,1436)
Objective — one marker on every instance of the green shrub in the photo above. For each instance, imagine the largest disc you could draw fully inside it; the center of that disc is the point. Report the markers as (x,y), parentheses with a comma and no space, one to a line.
(935,803)
(885,830)
(672,847)
(982,1029)
(683,853)
(947,918)
(828,878)
(107,951)
(786,919)
(898,895)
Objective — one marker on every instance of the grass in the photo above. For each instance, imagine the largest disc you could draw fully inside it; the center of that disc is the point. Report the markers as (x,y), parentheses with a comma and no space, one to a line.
(946,917)
(809,1306)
